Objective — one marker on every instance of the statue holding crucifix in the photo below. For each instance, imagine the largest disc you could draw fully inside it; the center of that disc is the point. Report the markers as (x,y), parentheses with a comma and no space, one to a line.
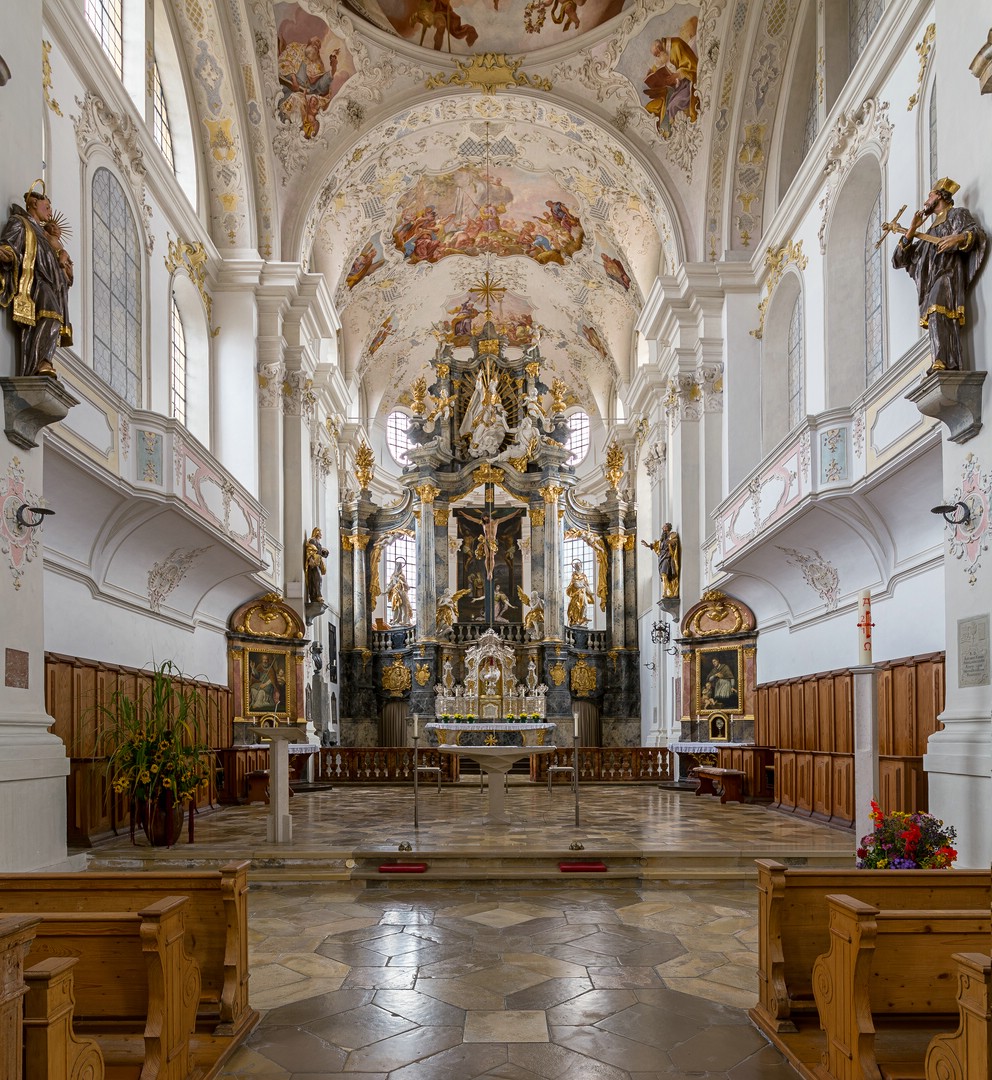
(943,262)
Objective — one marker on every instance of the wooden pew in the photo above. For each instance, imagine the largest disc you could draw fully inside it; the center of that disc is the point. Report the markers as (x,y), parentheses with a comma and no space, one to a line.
(967,1053)
(216,925)
(727,783)
(136,989)
(793,923)
(888,984)
(52,1049)
(16,935)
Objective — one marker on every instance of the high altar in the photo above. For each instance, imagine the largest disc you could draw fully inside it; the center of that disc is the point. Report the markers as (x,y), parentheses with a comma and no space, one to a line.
(489,505)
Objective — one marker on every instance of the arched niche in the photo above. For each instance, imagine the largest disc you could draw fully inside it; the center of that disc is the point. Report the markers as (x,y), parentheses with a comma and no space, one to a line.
(845,282)
(776,422)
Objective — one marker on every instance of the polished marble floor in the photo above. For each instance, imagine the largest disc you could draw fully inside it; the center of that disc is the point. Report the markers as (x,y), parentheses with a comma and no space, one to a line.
(539,980)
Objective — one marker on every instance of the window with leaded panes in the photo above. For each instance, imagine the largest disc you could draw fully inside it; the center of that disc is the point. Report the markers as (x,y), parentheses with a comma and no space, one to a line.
(161,132)
(578,551)
(812,124)
(796,363)
(863,15)
(398,436)
(932,129)
(178,365)
(405,548)
(874,358)
(577,443)
(107,19)
(116,289)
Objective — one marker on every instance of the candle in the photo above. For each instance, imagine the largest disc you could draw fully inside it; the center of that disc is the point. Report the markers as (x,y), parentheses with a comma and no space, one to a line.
(864,627)
(575,727)
(416,721)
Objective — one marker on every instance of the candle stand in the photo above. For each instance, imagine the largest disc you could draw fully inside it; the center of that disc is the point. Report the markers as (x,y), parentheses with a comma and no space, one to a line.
(575,773)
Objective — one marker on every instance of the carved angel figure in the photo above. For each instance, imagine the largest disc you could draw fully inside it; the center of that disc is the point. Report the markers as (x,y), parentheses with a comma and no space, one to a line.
(534,619)
(447,610)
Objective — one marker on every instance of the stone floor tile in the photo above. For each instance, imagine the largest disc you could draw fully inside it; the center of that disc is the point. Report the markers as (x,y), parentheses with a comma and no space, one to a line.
(394,978)
(714,991)
(315,1008)
(717,1048)
(505,1026)
(547,994)
(463,1062)
(461,994)
(545,965)
(615,1050)
(413,1045)
(279,996)
(418,1007)
(590,1008)
(359,1027)
(297,1050)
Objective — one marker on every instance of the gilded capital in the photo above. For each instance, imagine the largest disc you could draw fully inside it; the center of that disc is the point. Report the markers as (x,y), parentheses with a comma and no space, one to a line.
(537,517)
(350,542)
(443,371)
(427,492)
(551,493)
(617,541)
(440,515)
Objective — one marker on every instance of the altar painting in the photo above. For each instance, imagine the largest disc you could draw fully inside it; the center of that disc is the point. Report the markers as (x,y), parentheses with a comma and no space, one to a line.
(489,565)
(717,677)
(268,683)
(502,212)
(313,66)
(662,63)
(475,26)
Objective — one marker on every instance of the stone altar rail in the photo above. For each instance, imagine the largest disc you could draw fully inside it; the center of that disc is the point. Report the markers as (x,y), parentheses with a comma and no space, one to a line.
(394,764)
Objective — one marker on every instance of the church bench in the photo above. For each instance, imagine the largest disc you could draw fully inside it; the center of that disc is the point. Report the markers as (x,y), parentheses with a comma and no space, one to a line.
(793,922)
(967,1053)
(135,987)
(52,1049)
(16,935)
(727,783)
(216,924)
(888,985)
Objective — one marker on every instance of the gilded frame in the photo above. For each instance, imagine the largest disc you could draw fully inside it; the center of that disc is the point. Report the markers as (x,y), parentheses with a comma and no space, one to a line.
(709,680)
(269,681)
(719,727)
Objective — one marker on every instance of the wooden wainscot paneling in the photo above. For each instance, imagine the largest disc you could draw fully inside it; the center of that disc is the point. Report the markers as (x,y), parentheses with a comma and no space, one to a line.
(75,692)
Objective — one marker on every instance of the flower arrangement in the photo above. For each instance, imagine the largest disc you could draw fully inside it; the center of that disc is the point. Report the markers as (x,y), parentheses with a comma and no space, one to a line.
(903,841)
(151,740)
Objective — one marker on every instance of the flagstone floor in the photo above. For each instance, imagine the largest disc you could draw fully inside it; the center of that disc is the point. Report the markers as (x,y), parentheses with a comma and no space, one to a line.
(559,980)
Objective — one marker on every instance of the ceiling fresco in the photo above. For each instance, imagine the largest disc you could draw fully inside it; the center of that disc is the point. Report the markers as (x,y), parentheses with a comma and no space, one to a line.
(615,158)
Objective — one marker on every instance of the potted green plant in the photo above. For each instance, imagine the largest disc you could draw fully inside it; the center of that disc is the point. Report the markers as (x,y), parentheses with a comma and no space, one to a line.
(154,756)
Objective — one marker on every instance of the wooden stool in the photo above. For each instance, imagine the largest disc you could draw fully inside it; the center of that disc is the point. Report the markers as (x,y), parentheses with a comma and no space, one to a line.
(552,769)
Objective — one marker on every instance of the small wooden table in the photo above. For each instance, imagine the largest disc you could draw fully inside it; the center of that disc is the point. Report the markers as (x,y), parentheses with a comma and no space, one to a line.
(727,783)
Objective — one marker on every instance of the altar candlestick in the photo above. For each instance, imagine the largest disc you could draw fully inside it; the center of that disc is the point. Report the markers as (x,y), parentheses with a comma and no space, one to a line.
(575,727)
(864,627)
(416,720)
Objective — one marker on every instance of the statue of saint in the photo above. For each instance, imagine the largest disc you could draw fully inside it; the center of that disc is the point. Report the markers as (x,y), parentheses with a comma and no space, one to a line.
(669,552)
(447,610)
(534,619)
(35,273)
(314,567)
(398,597)
(943,262)
(579,596)
(484,422)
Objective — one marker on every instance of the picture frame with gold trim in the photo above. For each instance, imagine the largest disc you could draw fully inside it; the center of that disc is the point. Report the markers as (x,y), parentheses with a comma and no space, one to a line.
(718,680)
(269,683)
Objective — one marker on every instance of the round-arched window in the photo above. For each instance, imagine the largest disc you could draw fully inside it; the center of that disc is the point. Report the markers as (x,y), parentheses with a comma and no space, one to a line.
(578,436)
(398,437)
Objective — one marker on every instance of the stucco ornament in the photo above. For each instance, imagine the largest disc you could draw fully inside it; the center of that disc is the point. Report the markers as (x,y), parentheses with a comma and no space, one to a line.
(818,573)
(968,541)
(18,543)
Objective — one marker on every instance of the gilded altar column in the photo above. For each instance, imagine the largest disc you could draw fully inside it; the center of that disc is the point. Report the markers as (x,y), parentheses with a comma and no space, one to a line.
(618,543)
(554,621)
(356,543)
(426,579)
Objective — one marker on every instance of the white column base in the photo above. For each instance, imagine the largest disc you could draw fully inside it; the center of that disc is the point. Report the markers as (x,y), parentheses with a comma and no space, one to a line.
(958,763)
(32,802)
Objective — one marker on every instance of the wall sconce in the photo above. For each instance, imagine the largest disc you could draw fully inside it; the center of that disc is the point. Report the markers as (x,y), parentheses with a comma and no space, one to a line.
(661,634)
(958,513)
(20,515)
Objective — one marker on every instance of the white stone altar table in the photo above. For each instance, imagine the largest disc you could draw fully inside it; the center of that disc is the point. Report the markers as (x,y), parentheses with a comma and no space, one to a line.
(495,760)
(506,733)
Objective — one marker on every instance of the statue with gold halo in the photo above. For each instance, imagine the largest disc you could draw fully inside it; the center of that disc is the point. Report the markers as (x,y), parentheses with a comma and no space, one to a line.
(35,274)
(579,596)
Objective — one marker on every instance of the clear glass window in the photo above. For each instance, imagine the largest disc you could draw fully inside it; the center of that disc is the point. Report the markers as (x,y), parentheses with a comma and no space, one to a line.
(796,403)
(812,125)
(397,436)
(863,16)
(116,290)
(161,132)
(874,358)
(933,136)
(178,365)
(107,19)
(578,436)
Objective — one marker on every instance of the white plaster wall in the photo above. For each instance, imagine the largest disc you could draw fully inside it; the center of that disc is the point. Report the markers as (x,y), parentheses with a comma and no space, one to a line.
(908,623)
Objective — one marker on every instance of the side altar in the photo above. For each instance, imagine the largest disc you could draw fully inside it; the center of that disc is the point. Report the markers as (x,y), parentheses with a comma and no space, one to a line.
(489,546)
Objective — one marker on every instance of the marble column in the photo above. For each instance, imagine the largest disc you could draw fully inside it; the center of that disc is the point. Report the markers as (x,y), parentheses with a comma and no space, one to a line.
(617,543)
(554,615)
(356,544)
(426,580)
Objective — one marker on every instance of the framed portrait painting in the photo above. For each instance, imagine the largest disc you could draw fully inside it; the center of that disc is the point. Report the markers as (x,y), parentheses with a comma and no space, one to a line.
(268,683)
(717,678)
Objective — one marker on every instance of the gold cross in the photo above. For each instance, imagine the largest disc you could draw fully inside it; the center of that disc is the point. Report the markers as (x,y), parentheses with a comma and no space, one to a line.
(489,290)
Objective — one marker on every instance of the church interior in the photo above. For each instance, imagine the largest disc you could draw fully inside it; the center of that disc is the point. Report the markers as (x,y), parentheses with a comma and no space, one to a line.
(498,521)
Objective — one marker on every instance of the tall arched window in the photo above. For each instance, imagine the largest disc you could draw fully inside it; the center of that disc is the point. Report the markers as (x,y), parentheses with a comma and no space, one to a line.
(796,398)
(107,19)
(405,548)
(863,15)
(178,380)
(117,349)
(874,356)
(812,124)
(161,131)
(932,130)
(577,443)
(578,551)
(398,437)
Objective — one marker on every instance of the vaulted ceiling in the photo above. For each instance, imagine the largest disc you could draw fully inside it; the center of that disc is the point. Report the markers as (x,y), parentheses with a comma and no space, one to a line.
(615,140)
